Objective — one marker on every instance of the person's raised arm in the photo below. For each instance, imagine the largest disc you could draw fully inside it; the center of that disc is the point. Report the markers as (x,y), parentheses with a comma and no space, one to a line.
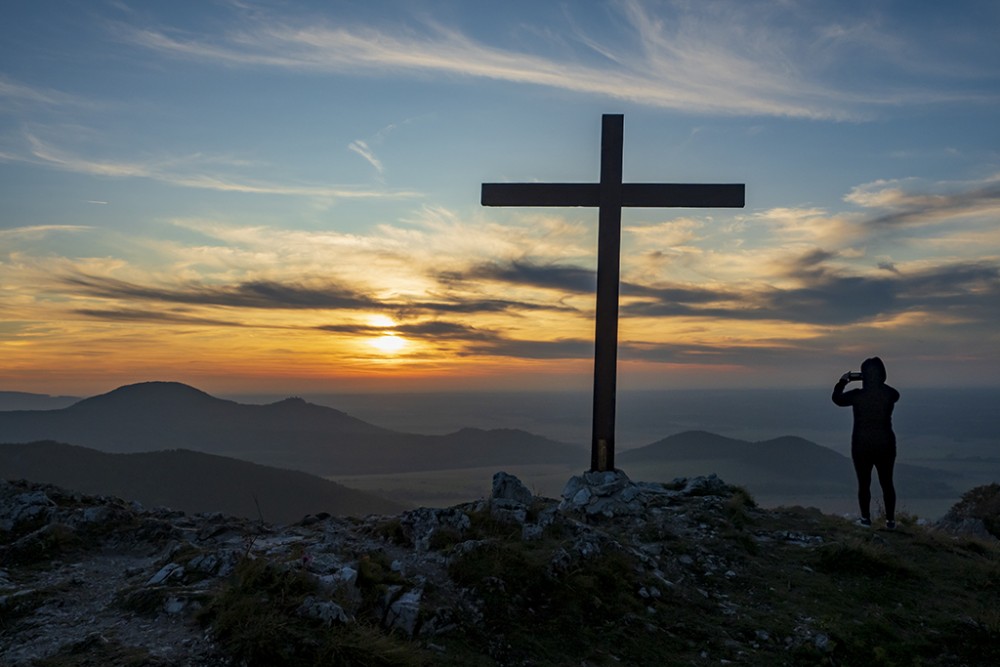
(838,390)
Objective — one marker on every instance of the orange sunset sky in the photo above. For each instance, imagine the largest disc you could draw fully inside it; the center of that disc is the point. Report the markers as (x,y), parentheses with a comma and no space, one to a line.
(284,198)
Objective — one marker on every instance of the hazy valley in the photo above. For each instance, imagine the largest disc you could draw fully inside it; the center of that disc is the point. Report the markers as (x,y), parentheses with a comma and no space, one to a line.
(438,469)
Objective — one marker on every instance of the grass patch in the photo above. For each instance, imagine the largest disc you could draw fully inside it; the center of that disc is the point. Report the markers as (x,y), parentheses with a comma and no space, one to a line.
(255,619)
(392,531)
(864,558)
(583,614)
(97,650)
(37,549)
(145,602)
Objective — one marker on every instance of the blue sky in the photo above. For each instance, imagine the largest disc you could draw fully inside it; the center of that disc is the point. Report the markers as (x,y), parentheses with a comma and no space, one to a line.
(285,196)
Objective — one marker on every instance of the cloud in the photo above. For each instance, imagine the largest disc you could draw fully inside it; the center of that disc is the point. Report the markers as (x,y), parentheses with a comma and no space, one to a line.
(33,232)
(258,294)
(287,294)
(761,288)
(143,315)
(427,330)
(911,202)
(534,349)
(184,172)
(821,291)
(463,303)
(439,329)
(812,225)
(13,93)
(523,273)
(435,264)
(361,148)
(682,57)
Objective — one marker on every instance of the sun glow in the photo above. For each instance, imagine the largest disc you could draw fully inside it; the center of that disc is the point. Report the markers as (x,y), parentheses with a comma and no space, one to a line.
(381,321)
(388,344)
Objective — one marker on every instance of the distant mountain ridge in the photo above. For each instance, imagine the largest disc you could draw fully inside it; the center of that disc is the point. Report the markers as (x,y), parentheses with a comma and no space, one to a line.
(291,433)
(784,465)
(23,400)
(189,481)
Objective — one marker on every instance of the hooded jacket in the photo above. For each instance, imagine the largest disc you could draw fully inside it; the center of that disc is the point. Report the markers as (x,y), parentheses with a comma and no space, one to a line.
(872,405)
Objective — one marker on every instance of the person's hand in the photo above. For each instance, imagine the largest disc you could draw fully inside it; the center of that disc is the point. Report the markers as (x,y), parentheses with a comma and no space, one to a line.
(846,377)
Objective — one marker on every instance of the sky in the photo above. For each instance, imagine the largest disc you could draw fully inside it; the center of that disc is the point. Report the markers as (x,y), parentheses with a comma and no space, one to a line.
(284,196)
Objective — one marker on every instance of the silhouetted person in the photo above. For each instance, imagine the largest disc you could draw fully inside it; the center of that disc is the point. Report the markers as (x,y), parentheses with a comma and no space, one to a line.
(873,443)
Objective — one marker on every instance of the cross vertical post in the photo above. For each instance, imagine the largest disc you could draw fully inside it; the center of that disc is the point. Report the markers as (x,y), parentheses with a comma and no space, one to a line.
(609,232)
(609,195)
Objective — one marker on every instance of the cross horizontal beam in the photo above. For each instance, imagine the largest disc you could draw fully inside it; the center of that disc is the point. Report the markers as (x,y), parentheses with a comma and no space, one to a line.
(609,195)
(634,195)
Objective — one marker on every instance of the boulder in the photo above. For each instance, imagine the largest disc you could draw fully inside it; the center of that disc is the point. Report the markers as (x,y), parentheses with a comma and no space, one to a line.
(509,487)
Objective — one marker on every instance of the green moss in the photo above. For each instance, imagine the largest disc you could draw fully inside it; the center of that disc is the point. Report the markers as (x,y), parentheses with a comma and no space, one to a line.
(484,526)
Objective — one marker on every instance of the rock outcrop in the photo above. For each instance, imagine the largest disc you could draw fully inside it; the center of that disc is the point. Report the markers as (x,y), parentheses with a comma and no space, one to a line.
(641,562)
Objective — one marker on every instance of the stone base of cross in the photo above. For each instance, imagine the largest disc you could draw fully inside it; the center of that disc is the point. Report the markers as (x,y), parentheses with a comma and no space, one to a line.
(610,195)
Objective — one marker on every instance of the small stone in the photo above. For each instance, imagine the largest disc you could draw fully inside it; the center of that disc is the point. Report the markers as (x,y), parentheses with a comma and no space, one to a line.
(404,611)
(168,571)
(204,563)
(325,611)
(174,605)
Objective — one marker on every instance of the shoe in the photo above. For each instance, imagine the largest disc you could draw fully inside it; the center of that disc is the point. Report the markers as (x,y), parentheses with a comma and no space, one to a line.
(890,525)
(863,521)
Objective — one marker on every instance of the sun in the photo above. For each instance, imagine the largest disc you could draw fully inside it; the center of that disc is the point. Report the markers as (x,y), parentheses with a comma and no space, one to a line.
(381,321)
(388,344)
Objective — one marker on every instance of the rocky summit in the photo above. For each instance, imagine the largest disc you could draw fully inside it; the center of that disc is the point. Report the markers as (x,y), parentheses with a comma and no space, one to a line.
(615,572)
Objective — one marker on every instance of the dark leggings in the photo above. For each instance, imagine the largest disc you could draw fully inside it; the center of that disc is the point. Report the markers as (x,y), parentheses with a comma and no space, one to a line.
(883,463)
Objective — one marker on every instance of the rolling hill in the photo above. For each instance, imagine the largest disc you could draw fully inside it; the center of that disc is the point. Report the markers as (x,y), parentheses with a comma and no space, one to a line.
(291,433)
(785,466)
(189,481)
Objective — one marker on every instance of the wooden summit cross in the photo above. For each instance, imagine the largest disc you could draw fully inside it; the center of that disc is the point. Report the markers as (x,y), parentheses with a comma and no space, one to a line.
(610,195)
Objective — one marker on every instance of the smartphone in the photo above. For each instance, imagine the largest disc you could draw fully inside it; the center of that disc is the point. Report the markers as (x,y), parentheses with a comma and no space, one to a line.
(854,375)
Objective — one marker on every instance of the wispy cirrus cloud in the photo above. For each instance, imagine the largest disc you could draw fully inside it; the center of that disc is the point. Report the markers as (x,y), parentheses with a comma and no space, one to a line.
(15,93)
(189,172)
(32,232)
(361,148)
(673,56)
